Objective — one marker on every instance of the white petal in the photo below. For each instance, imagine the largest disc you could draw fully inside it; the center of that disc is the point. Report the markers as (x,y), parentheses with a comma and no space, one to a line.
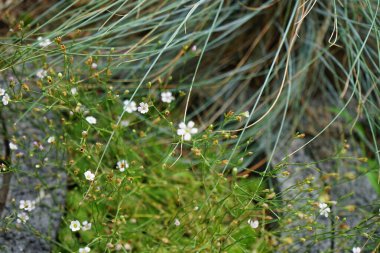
(190,124)
(187,137)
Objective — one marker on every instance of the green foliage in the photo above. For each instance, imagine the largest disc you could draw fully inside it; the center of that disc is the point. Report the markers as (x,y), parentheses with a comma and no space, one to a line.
(244,71)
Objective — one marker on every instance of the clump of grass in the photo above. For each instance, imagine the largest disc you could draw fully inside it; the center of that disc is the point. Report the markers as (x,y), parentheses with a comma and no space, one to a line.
(246,73)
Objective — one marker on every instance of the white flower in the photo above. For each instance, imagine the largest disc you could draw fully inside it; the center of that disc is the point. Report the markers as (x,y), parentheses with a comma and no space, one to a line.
(245,114)
(194,48)
(94,65)
(43,42)
(51,139)
(356,250)
(324,209)
(27,205)
(13,146)
(5,99)
(167,97)
(74,91)
(91,120)
(122,165)
(74,225)
(129,106)
(22,217)
(89,175)
(118,247)
(253,223)
(127,246)
(41,73)
(86,225)
(2,92)
(125,123)
(187,130)
(84,250)
(143,108)
(177,222)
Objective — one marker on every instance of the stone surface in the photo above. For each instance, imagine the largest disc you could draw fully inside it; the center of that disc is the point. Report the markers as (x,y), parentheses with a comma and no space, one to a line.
(38,175)
(335,177)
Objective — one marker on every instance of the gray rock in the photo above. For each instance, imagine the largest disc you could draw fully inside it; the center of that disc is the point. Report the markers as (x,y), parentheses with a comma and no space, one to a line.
(38,175)
(350,195)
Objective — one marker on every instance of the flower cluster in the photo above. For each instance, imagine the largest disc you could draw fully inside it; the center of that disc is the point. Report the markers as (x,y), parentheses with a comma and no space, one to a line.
(4,97)
(184,130)
(76,226)
(43,42)
(130,106)
(26,205)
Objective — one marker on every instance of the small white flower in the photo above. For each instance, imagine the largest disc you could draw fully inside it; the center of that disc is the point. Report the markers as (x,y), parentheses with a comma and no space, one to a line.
(13,146)
(2,92)
(122,165)
(143,108)
(74,91)
(27,205)
(94,65)
(91,120)
(86,225)
(129,106)
(177,222)
(245,114)
(356,250)
(89,175)
(194,48)
(167,97)
(118,247)
(41,73)
(253,223)
(51,139)
(127,247)
(84,250)
(124,123)
(43,42)
(22,217)
(324,209)
(22,204)
(5,99)
(187,130)
(74,225)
